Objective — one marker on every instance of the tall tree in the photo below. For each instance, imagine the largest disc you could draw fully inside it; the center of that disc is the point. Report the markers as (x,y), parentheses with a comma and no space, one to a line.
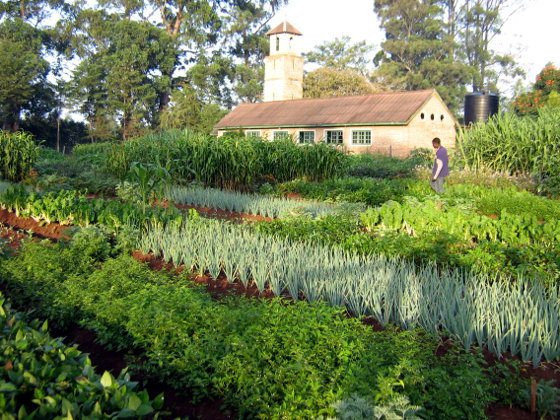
(342,54)
(417,52)
(23,74)
(481,21)
(120,72)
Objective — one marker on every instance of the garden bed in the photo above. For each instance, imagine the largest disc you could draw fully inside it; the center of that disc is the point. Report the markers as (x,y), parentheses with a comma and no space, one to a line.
(210,409)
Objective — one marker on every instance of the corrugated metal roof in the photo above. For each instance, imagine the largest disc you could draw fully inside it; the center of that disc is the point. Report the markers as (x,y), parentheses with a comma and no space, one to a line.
(284,28)
(376,109)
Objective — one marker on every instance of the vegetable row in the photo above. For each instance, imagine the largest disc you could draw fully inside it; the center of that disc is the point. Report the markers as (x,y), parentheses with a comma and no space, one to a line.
(492,313)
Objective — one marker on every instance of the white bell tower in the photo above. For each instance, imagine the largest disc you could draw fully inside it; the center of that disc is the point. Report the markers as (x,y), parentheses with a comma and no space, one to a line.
(283,70)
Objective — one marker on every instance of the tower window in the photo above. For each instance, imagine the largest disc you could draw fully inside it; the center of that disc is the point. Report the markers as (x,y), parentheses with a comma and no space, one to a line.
(277,44)
(291,39)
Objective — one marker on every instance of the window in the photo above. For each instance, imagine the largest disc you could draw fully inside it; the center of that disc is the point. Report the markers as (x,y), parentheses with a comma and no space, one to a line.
(432,117)
(277,44)
(422,115)
(306,137)
(442,117)
(281,135)
(252,134)
(334,137)
(361,137)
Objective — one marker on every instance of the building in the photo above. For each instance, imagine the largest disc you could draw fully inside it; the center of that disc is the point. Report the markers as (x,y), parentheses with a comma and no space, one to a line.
(393,123)
(283,68)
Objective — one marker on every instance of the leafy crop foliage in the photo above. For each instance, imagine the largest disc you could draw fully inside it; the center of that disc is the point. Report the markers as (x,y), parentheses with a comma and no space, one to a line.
(232,161)
(267,358)
(480,310)
(84,170)
(18,153)
(383,166)
(43,378)
(70,207)
(517,244)
(370,191)
(517,144)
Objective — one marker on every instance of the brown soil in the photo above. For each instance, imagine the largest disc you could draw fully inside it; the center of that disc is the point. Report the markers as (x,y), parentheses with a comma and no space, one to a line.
(14,237)
(218,214)
(499,412)
(50,230)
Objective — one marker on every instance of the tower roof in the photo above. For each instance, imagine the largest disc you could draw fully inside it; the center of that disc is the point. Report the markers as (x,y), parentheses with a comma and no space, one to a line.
(284,28)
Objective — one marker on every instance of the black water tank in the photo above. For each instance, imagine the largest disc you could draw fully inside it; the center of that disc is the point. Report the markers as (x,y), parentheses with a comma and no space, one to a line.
(479,106)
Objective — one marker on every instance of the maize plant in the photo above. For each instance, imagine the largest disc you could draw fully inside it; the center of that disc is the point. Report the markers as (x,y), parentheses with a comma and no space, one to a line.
(18,152)
(522,318)
(231,161)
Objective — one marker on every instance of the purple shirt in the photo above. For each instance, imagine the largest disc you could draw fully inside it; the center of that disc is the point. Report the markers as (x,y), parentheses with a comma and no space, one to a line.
(441,154)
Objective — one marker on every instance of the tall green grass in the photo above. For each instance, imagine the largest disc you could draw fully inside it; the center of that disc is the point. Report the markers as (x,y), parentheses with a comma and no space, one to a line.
(514,144)
(231,161)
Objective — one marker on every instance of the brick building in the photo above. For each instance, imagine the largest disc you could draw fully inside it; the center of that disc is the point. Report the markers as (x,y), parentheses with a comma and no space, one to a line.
(392,122)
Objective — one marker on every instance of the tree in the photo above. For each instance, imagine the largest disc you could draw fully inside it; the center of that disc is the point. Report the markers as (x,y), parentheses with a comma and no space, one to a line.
(545,92)
(23,75)
(121,78)
(187,110)
(481,21)
(342,54)
(326,82)
(417,52)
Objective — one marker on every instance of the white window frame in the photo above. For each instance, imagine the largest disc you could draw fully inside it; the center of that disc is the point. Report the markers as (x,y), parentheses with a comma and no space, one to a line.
(333,131)
(306,131)
(285,132)
(251,133)
(362,144)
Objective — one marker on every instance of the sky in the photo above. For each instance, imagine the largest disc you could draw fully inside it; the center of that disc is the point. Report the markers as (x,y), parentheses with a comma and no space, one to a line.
(530,34)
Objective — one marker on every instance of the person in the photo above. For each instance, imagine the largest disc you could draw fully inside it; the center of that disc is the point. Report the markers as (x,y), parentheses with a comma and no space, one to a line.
(441,167)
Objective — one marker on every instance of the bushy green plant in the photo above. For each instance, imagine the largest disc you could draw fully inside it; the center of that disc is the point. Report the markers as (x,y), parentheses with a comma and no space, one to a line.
(43,378)
(372,192)
(102,148)
(70,207)
(383,166)
(18,152)
(150,180)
